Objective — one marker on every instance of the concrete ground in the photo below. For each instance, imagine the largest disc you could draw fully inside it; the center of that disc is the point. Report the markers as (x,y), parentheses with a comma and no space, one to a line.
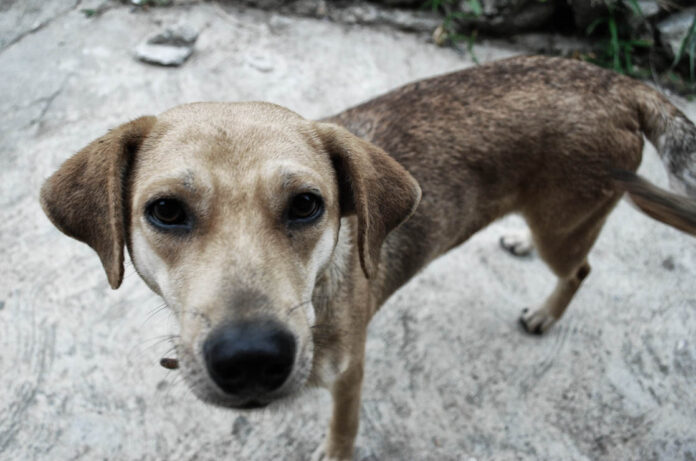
(450,375)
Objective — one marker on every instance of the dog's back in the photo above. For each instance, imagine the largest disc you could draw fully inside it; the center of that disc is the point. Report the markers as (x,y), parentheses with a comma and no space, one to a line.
(539,136)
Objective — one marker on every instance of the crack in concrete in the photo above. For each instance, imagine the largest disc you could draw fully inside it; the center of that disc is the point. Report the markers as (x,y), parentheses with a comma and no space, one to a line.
(48,102)
(39,27)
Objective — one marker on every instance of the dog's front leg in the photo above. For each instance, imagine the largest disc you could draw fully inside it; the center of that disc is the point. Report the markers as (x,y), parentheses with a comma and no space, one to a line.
(345,391)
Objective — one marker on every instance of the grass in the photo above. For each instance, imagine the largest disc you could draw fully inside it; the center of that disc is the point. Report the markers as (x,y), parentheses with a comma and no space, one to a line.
(621,37)
(621,46)
(619,43)
(688,49)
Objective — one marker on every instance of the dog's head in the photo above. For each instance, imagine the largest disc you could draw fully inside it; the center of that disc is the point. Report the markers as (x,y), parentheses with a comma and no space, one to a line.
(231,213)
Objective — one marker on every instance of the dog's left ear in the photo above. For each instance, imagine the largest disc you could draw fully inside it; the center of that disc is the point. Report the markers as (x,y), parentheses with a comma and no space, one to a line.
(371,185)
(85,197)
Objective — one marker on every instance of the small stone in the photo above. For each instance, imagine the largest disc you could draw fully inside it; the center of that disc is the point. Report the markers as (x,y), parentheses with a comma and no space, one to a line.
(668,263)
(170,47)
(178,35)
(279,23)
(260,63)
(504,17)
(440,35)
(674,29)
(163,55)
(413,21)
(648,8)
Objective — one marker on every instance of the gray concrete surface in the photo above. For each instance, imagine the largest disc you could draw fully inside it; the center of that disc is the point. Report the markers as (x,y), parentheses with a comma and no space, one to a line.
(450,376)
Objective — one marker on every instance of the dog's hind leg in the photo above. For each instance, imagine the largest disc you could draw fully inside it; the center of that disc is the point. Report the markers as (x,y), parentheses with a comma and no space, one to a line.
(566,255)
(543,318)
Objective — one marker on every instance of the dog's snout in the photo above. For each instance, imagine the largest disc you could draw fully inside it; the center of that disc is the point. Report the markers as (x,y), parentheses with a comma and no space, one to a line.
(249,357)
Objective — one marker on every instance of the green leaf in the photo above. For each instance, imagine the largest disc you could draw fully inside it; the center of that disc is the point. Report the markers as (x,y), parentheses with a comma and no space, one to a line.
(690,35)
(461,15)
(434,5)
(593,25)
(636,8)
(615,46)
(470,47)
(640,43)
(475,6)
(692,59)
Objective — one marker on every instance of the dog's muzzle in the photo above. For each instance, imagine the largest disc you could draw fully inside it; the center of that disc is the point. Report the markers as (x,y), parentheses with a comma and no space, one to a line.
(248,360)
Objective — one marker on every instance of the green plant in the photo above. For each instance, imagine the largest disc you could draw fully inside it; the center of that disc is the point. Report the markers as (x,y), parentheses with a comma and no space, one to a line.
(688,48)
(448,27)
(621,44)
(618,47)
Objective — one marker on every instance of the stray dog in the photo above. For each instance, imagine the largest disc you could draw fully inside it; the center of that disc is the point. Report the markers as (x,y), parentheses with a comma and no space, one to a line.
(275,239)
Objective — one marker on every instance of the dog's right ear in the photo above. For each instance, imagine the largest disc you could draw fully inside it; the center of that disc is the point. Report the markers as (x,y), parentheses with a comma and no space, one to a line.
(85,197)
(373,186)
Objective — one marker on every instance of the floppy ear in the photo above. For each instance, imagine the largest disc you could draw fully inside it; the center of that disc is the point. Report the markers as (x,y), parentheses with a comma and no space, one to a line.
(85,197)
(373,186)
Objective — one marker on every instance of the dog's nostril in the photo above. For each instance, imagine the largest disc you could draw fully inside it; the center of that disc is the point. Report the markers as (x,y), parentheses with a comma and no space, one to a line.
(275,374)
(249,357)
(227,369)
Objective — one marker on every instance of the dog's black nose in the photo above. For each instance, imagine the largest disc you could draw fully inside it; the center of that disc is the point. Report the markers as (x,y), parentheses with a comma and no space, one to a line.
(249,357)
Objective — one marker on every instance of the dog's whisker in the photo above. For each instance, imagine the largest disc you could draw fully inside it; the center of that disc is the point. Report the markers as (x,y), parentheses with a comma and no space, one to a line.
(151,343)
(171,383)
(155,311)
(297,306)
(159,339)
(171,350)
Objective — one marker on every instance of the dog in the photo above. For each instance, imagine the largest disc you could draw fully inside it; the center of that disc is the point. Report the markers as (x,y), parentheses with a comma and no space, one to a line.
(275,239)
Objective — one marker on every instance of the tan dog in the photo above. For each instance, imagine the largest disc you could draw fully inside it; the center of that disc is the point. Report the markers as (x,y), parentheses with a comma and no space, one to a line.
(275,239)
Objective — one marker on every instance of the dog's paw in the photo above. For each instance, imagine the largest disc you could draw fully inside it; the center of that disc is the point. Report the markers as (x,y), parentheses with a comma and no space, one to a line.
(517,243)
(537,322)
(321,455)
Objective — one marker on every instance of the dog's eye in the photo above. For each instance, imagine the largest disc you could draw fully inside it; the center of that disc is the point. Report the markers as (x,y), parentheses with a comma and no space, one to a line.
(305,207)
(167,213)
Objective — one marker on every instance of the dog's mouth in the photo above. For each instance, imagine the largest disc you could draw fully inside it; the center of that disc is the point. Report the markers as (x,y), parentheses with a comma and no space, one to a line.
(254,401)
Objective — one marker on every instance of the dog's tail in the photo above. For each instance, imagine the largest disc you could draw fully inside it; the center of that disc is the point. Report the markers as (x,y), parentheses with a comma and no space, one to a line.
(667,207)
(672,134)
(674,137)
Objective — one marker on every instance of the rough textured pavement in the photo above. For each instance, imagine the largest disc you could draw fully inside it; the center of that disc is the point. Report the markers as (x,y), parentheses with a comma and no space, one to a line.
(449,373)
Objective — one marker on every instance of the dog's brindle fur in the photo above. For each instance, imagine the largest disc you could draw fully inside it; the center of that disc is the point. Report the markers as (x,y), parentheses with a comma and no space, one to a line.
(543,137)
